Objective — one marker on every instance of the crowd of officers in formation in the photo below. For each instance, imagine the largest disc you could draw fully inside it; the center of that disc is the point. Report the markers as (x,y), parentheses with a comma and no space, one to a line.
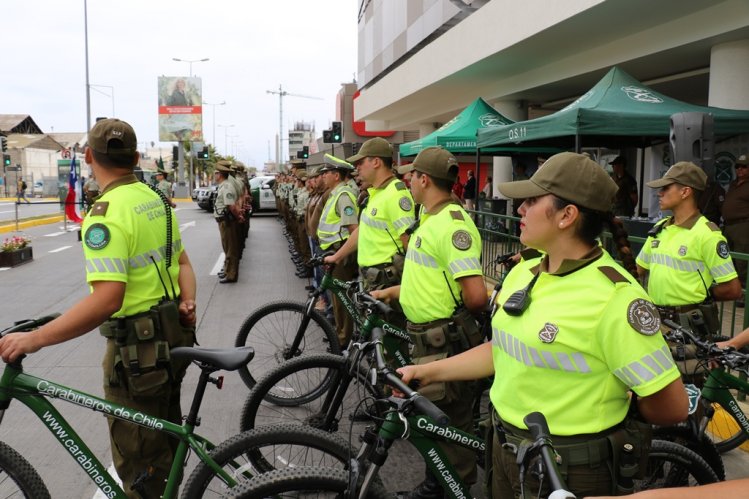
(575,332)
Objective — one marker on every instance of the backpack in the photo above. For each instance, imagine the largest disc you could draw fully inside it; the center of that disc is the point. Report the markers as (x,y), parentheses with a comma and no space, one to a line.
(23,185)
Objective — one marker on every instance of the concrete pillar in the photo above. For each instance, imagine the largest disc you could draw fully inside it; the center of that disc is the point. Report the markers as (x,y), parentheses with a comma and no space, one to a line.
(502,165)
(425,129)
(729,75)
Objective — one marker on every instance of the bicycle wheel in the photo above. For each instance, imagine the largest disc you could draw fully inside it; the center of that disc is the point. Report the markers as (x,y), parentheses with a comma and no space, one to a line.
(265,449)
(704,446)
(725,430)
(17,477)
(271,330)
(673,465)
(301,482)
(311,380)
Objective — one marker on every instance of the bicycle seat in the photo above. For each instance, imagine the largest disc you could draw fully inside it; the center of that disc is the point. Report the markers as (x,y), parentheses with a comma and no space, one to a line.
(228,359)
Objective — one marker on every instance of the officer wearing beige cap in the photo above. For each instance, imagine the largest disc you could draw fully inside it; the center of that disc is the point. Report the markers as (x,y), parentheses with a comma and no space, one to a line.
(228,214)
(736,216)
(558,337)
(686,258)
(127,224)
(442,287)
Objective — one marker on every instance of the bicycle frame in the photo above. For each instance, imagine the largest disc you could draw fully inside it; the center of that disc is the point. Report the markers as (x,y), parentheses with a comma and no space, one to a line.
(33,391)
(715,389)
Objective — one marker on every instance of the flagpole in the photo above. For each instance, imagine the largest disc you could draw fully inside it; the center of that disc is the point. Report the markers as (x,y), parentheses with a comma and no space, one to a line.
(88,92)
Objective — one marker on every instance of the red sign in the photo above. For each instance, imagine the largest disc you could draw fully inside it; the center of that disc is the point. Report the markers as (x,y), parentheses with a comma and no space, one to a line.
(360,127)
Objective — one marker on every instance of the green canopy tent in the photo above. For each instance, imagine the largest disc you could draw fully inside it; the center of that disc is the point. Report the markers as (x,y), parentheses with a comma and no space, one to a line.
(618,111)
(459,134)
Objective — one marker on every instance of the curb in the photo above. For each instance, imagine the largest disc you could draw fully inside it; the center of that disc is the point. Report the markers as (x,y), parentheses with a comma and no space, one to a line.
(11,227)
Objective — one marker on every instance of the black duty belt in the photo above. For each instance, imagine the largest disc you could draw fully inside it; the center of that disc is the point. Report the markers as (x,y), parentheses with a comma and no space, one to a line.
(735,222)
(379,266)
(671,312)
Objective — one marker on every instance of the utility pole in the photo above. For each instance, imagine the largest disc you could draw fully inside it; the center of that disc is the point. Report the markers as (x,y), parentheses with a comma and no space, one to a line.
(281,94)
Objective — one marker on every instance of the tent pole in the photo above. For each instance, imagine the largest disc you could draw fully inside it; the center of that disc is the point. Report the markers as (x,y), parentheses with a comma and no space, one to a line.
(641,186)
(577,143)
(478,165)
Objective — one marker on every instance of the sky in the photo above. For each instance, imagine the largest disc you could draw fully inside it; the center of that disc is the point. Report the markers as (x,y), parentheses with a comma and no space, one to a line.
(307,47)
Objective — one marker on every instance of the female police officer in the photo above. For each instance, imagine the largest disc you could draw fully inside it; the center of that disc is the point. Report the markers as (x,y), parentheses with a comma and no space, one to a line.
(573,335)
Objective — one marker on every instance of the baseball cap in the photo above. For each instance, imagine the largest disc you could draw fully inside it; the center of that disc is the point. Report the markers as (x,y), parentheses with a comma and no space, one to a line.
(112,136)
(436,162)
(333,163)
(570,176)
(742,160)
(376,147)
(619,160)
(684,173)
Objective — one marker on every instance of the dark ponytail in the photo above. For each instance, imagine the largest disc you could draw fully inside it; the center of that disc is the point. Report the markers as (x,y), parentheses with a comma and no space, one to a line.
(621,239)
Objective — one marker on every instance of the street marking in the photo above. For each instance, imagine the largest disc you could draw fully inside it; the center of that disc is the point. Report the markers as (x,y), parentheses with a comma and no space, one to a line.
(55,234)
(63,248)
(219,264)
(9,211)
(99,494)
(187,225)
(4,268)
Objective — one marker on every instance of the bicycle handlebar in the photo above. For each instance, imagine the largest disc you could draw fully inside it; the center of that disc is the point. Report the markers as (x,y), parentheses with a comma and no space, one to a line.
(729,357)
(381,307)
(536,423)
(421,404)
(318,260)
(29,324)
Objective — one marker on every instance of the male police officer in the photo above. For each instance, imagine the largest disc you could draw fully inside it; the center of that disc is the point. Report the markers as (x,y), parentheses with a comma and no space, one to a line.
(442,286)
(163,185)
(128,256)
(227,212)
(686,255)
(339,218)
(381,238)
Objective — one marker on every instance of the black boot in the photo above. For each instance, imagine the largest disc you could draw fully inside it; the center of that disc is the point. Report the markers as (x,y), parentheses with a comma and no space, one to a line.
(430,488)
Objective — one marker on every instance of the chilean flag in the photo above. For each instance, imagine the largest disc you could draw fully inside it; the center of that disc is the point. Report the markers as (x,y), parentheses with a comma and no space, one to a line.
(74,195)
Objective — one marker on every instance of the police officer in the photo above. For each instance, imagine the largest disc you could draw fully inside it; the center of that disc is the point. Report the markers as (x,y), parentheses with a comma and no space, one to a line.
(736,216)
(442,286)
(339,218)
(381,238)
(164,186)
(227,212)
(124,241)
(91,190)
(685,256)
(572,336)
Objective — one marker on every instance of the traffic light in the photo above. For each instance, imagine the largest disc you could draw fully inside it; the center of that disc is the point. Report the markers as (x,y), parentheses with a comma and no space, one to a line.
(6,160)
(337,130)
(203,154)
(304,153)
(327,136)
(3,143)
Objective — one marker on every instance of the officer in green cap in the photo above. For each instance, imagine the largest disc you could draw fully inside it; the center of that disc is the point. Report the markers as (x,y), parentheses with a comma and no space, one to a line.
(163,185)
(573,336)
(124,239)
(686,257)
(339,218)
(442,287)
(227,211)
(381,238)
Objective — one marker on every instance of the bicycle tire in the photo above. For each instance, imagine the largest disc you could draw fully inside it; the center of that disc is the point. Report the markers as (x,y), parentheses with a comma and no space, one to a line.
(257,451)
(721,420)
(673,465)
(271,329)
(296,376)
(17,477)
(290,482)
(704,446)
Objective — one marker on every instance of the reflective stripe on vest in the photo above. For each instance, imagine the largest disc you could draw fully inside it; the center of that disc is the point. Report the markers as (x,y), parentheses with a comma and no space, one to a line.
(329,230)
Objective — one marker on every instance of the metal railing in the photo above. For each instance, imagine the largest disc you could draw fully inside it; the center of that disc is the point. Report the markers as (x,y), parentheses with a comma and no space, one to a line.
(500,235)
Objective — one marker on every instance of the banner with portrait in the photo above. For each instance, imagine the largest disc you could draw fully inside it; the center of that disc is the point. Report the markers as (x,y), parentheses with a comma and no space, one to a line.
(180,109)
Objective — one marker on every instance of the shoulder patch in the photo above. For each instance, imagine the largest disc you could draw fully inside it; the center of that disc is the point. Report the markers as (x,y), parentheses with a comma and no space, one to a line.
(405,203)
(614,275)
(457,215)
(722,249)
(97,236)
(400,186)
(99,208)
(713,227)
(462,240)
(643,317)
(348,210)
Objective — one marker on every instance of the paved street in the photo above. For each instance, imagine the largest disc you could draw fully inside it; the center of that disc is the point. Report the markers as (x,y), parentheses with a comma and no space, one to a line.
(54,281)
(38,207)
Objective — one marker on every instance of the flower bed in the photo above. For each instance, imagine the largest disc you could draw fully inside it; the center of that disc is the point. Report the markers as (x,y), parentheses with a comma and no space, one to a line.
(15,251)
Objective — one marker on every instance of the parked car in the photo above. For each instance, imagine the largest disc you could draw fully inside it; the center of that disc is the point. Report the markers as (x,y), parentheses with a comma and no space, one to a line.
(38,189)
(205,196)
(262,193)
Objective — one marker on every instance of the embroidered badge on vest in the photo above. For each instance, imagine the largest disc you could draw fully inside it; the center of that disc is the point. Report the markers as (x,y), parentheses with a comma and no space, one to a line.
(456,215)
(654,243)
(722,249)
(100,208)
(348,210)
(418,242)
(462,240)
(374,211)
(643,317)
(682,251)
(549,333)
(97,236)
(405,203)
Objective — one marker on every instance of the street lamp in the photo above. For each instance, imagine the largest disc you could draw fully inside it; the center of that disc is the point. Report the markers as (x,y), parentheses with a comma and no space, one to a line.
(226,137)
(214,117)
(111,89)
(190,61)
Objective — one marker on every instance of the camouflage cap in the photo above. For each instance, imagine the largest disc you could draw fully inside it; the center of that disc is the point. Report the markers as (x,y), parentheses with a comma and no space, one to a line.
(376,148)
(570,176)
(112,136)
(684,173)
(332,163)
(436,162)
